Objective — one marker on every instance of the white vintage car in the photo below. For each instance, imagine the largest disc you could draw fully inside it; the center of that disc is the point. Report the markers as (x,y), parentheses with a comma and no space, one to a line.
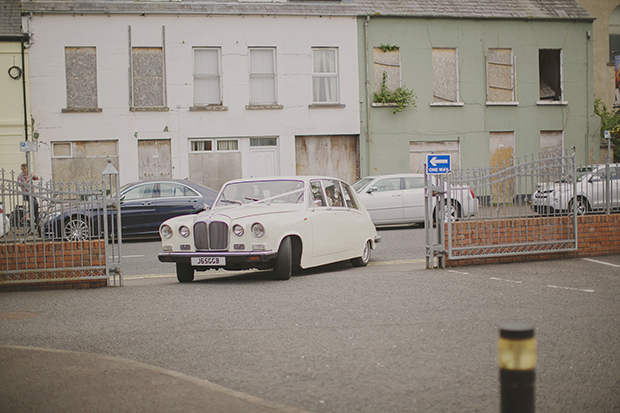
(281,223)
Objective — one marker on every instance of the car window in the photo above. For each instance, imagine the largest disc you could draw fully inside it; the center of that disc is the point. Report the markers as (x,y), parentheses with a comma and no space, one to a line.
(349,196)
(388,184)
(171,190)
(414,182)
(269,191)
(359,185)
(333,193)
(317,194)
(142,191)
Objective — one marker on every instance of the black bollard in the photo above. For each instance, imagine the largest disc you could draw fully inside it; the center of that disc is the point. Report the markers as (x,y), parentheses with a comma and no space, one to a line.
(517,366)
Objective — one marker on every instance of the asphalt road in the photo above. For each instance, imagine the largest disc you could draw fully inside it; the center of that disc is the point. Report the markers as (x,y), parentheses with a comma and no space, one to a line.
(390,337)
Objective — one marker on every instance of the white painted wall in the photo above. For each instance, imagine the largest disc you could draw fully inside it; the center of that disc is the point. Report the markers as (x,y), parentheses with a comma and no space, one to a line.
(292,36)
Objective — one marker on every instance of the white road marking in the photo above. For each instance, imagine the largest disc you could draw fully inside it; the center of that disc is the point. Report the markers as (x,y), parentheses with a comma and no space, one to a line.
(508,281)
(602,262)
(458,272)
(570,288)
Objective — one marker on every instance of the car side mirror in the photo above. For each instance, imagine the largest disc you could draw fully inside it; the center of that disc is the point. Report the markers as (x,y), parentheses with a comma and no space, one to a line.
(373,189)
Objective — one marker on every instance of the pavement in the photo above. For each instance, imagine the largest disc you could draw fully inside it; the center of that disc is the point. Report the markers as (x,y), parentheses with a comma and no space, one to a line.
(45,380)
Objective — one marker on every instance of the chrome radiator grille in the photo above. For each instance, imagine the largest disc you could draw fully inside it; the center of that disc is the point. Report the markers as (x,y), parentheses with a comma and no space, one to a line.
(212,236)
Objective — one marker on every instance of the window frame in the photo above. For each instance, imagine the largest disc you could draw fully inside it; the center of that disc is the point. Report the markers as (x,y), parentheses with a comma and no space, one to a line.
(560,64)
(326,75)
(445,101)
(76,87)
(192,140)
(513,78)
(253,77)
(143,108)
(206,76)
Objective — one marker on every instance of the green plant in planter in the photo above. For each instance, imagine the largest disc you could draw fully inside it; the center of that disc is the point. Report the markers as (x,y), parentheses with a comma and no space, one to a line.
(401,97)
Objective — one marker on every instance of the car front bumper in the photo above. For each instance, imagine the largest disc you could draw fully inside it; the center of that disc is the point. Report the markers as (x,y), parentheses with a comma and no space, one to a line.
(234,260)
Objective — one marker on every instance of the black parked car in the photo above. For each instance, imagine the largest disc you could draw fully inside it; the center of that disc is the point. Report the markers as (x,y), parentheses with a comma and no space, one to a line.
(144,206)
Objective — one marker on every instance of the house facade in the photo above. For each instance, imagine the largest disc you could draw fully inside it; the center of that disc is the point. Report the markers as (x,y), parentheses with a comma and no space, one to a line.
(13,88)
(193,90)
(491,83)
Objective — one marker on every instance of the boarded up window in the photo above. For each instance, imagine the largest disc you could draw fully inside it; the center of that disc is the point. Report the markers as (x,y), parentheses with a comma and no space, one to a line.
(148,77)
(81,73)
(263,76)
(154,159)
(550,148)
(387,62)
(207,86)
(419,150)
(500,76)
(550,70)
(80,161)
(336,156)
(445,75)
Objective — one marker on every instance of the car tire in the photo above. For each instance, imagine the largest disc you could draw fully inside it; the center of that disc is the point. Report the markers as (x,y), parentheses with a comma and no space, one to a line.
(185,273)
(364,259)
(453,211)
(75,229)
(283,266)
(582,206)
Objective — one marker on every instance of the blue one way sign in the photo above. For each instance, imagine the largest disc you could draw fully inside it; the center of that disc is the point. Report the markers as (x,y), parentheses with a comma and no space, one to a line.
(437,164)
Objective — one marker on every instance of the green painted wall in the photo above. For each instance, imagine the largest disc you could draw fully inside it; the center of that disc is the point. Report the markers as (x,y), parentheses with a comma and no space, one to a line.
(385,136)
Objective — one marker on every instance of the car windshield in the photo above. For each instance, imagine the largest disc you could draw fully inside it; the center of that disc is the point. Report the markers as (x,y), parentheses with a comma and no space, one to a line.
(272,192)
(359,185)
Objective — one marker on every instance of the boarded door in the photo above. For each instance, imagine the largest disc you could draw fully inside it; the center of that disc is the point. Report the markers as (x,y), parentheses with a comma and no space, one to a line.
(502,146)
(154,159)
(336,156)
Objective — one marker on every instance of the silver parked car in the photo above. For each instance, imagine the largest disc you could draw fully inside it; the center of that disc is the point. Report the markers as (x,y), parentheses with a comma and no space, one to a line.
(399,199)
(591,194)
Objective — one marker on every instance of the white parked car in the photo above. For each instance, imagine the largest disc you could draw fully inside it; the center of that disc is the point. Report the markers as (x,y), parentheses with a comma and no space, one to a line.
(591,195)
(281,223)
(399,199)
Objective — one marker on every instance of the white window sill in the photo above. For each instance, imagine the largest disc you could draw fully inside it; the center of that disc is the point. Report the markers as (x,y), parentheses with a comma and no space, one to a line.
(552,103)
(81,110)
(502,103)
(326,106)
(149,109)
(208,108)
(447,104)
(264,107)
(384,105)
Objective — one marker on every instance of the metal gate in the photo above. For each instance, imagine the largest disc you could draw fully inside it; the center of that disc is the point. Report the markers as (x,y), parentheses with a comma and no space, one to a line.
(523,207)
(59,230)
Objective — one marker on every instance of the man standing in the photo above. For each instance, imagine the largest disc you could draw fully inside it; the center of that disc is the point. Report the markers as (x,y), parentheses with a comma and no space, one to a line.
(26,179)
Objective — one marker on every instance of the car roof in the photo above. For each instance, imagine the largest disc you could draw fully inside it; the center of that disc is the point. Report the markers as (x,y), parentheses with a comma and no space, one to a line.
(305,178)
(191,184)
(403,175)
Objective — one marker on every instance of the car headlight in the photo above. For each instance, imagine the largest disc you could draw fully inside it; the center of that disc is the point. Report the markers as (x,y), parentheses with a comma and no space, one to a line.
(238,230)
(165,231)
(184,231)
(258,230)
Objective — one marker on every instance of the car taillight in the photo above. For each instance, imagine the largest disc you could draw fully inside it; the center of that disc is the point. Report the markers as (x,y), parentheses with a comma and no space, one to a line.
(471,191)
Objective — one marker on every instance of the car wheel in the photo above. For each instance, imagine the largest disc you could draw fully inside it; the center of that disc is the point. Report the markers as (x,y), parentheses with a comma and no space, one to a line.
(283,266)
(185,273)
(76,229)
(582,206)
(364,259)
(452,213)
(18,223)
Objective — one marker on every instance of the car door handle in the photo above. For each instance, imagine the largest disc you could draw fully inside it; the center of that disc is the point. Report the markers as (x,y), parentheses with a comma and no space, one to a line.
(146,203)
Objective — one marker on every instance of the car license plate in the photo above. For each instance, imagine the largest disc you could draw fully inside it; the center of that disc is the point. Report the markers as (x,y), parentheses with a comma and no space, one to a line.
(209,261)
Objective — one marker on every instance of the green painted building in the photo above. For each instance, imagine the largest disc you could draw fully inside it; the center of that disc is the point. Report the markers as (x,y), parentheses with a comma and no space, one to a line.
(492,81)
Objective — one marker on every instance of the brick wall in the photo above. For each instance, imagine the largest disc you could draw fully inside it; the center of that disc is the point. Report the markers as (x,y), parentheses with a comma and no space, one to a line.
(596,235)
(52,265)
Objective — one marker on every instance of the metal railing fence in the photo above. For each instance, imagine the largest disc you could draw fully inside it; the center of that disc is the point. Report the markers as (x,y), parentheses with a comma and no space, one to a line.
(51,227)
(528,206)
